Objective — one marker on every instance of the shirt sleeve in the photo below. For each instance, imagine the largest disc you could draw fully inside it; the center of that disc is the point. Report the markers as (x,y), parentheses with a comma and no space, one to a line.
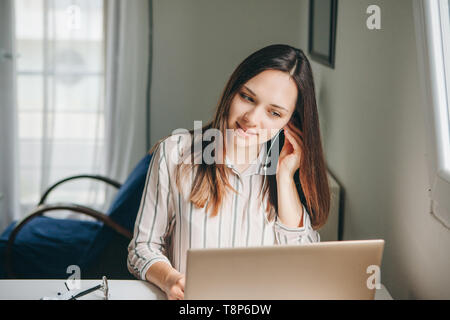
(288,235)
(152,222)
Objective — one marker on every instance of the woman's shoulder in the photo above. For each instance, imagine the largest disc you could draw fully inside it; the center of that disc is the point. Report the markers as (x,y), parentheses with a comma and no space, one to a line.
(175,146)
(180,141)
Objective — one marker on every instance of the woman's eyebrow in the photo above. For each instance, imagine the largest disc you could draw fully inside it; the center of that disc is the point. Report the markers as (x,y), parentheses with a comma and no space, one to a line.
(276,106)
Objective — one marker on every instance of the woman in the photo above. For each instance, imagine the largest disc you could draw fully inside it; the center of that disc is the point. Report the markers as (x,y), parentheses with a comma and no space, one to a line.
(267,109)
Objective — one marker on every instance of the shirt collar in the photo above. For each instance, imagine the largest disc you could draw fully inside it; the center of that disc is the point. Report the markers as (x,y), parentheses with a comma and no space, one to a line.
(256,166)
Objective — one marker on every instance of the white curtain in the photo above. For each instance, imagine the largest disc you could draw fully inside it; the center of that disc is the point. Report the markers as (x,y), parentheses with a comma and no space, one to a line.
(60,78)
(9,188)
(127,73)
(82,108)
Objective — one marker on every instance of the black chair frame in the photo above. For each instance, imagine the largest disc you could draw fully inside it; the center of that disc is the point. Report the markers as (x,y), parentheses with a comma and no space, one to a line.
(42,208)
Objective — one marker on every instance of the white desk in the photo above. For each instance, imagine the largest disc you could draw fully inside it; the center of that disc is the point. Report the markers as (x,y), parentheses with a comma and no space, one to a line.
(118,290)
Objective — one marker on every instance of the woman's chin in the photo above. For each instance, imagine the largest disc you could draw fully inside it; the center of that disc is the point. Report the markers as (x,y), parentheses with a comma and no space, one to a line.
(245,142)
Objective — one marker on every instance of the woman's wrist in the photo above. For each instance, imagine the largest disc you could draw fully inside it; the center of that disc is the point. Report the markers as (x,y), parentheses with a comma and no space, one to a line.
(171,273)
(284,177)
(159,273)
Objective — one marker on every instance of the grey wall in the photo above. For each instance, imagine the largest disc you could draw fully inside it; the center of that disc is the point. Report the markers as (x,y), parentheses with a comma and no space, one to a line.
(198,44)
(370,112)
(374,136)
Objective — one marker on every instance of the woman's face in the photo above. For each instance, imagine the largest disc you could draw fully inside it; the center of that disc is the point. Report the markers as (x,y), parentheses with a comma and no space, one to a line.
(262,107)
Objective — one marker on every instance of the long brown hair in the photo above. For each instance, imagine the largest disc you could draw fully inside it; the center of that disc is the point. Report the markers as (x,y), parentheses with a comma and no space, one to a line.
(211,180)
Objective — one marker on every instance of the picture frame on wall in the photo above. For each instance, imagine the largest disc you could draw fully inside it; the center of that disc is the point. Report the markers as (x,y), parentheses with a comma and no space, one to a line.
(322,31)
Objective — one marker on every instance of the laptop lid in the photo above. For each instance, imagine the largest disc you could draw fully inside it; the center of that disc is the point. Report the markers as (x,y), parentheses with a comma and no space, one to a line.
(323,270)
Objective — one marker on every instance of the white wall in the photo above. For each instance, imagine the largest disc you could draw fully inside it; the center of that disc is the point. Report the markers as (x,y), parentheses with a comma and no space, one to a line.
(374,136)
(371,118)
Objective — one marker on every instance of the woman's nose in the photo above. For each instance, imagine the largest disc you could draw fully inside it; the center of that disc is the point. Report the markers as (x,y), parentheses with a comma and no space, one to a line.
(251,117)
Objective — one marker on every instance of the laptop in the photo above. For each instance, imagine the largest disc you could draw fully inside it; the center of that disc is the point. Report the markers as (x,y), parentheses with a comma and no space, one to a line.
(330,270)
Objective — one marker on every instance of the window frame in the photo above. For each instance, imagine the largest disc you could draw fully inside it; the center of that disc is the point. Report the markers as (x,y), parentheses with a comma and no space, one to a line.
(435,88)
(26,204)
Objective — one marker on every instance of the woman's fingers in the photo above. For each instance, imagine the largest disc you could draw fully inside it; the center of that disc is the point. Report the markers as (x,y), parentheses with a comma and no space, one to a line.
(180,294)
(176,294)
(294,129)
(182,283)
(292,139)
(175,289)
(296,132)
(287,147)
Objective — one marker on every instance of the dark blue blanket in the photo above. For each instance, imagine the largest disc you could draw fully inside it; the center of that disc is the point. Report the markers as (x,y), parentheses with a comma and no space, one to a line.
(45,247)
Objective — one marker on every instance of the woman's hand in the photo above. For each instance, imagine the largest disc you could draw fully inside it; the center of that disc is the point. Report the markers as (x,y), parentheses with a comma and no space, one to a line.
(291,153)
(174,285)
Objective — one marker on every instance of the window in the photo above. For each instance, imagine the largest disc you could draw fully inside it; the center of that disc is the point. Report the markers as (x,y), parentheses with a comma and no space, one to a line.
(60,84)
(433,39)
(442,106)
(445,107)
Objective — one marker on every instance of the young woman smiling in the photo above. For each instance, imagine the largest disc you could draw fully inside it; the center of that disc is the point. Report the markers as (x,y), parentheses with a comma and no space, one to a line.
(269,107)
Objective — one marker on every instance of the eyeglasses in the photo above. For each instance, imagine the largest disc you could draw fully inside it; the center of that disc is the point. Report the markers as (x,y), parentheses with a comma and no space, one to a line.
(72,295)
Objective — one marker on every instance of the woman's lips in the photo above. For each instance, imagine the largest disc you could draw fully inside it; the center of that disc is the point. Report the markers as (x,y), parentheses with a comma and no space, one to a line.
(243,133)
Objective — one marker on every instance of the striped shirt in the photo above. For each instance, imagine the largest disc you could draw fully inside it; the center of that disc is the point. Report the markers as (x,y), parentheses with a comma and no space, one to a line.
(168,224)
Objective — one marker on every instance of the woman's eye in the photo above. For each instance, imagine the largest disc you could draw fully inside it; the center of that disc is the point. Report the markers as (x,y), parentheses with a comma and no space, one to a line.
(275,114)
(246,97)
